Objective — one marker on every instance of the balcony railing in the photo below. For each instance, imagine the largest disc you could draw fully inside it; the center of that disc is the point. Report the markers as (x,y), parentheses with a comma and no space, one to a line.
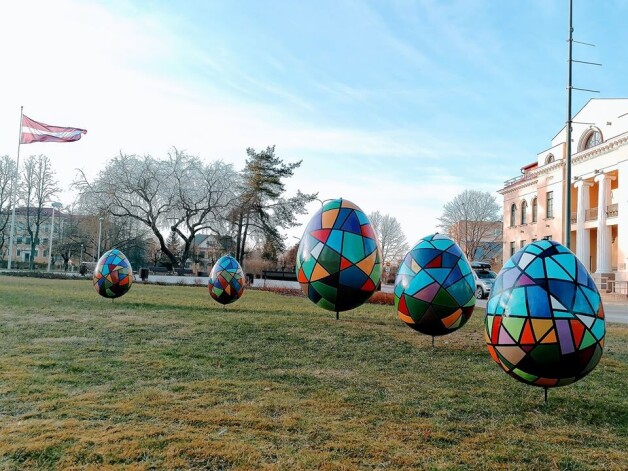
(612,210)
(590,214)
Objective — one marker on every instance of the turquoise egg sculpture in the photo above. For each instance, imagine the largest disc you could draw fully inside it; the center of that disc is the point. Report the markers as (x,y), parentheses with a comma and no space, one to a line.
(434,288)
(544,318)
(226,280)
(113,275)
(338,262)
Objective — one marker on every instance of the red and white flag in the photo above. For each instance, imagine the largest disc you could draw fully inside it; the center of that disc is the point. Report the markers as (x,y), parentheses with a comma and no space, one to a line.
(32,131)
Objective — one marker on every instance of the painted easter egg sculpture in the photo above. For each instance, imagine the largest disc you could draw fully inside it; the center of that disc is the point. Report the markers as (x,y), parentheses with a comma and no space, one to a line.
(226,280)
(113,275)
(544,319)
(434,288)
(338,262)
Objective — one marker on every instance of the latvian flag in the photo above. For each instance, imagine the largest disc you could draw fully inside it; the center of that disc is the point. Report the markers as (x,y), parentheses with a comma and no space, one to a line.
(32,131)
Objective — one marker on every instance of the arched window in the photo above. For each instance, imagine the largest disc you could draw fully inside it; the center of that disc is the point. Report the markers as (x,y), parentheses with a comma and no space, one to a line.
(534,209)
(549,159)
(524,211)
(593,139)
(513,215)
(590,138)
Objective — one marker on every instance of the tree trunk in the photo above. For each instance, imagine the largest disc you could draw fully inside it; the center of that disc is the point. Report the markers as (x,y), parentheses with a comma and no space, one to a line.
(31,260)
(239,236)
(163,246)
(244,234)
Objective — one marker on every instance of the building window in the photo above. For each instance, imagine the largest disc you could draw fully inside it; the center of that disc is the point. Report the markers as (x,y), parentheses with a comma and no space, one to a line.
(549,237)
(534,240)
(534,207)
(523,243)
(512,249)
(549,159)
(524,211)
(513,215)
(593,139)
(549,206)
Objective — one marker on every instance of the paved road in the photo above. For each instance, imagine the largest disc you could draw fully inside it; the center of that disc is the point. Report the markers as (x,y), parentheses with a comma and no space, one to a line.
(614,312)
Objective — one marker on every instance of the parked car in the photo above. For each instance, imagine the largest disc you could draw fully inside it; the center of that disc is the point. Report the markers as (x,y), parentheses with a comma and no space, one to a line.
(484,279)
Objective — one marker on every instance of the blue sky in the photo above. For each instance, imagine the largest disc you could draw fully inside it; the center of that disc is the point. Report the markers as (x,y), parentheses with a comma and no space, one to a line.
(396,105)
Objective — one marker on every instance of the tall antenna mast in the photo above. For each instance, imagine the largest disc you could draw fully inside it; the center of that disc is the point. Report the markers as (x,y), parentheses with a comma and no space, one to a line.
(570,87)
(567,215)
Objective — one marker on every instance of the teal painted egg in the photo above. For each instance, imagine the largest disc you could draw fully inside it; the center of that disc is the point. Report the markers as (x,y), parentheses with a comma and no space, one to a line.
(226,280)
(338,262)
(544,319)
(434,288)
(113,275)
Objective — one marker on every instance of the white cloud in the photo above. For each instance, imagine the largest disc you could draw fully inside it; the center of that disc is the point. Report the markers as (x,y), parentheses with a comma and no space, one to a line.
(125,78)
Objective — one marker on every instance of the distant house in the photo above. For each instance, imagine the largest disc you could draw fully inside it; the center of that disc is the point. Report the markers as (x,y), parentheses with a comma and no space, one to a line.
(206,250)
(482,240)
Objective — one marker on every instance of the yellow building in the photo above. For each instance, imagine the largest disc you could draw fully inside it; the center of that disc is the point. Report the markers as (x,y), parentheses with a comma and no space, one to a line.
(534,201)
(22,240)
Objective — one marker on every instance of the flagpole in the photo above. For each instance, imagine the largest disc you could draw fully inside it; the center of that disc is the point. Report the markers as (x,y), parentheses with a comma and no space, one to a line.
(13,191)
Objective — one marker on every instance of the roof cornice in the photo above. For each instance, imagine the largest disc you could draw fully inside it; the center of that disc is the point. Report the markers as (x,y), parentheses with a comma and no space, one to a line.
(603,148)
(530,178)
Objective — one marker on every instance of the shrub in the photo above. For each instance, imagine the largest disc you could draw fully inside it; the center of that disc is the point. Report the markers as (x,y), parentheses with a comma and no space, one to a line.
(282,291)
(379,297)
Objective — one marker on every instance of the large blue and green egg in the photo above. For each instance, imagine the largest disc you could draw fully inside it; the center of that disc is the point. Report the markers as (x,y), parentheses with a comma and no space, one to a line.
(338,262)
(434,288)
(544,319)
(113,275)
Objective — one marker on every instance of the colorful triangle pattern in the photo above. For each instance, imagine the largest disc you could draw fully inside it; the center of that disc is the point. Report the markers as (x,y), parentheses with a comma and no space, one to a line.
(226,280)
(113,275)
(346,270)
(544,319)
(434,289)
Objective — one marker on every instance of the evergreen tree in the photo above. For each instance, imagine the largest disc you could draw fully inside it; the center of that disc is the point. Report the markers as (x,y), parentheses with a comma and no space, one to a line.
(263,209)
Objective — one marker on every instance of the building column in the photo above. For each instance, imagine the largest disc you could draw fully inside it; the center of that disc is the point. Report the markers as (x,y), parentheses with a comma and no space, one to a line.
(603,231)
(583,236)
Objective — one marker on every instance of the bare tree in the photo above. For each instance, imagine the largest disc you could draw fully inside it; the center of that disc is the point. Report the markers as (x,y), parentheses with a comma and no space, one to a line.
(39,186)
(7,174)
(179,194)
(473,220)
(391,237)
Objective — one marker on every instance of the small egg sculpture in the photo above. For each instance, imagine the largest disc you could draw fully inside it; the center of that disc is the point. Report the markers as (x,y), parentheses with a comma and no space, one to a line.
(338,262)
(544,319)
(434,288)
(226,280)
(113,275)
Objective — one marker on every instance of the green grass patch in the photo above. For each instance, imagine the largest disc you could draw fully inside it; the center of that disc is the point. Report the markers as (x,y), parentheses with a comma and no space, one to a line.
(166,378)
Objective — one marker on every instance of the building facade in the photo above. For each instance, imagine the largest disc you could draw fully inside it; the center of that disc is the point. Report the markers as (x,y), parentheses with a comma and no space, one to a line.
(534,201)
(22,252)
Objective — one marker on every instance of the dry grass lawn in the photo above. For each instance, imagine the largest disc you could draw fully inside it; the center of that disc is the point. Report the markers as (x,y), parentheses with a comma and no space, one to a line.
(164,378)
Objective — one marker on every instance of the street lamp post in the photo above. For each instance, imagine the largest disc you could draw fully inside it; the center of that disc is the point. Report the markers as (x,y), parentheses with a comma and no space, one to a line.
(100,219)
(52,225)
